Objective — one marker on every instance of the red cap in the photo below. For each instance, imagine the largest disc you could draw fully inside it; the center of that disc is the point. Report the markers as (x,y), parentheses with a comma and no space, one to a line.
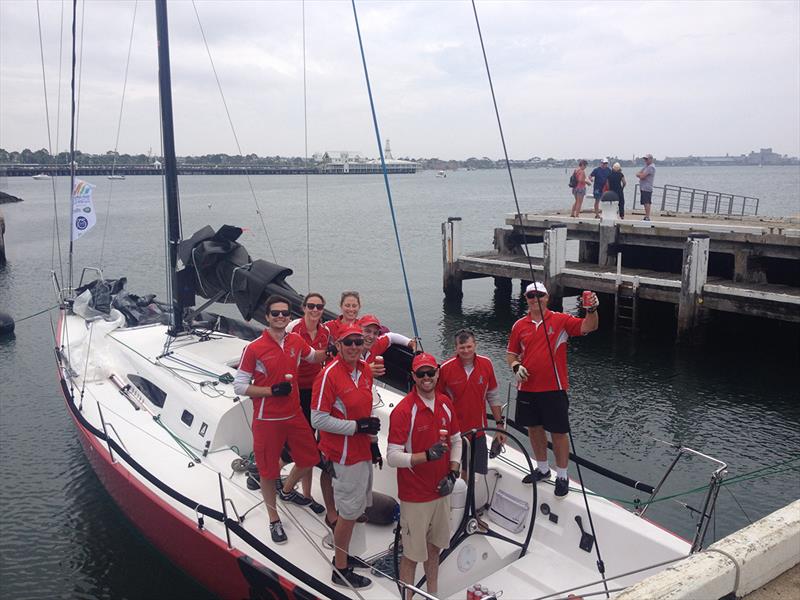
(348,331)
(424,360)
(369,320)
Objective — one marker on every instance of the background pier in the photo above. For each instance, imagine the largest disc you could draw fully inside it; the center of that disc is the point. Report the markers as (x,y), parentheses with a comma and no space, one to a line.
(698,263)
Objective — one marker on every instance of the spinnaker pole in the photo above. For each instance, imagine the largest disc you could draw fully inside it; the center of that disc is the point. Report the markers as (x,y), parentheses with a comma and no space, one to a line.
(170,164)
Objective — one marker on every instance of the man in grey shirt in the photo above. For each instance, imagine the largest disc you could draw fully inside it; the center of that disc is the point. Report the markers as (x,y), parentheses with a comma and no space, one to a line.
(646,177)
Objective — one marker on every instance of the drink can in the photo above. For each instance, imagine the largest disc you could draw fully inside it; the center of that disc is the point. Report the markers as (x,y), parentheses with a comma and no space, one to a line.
(288,376)
(477,594)
(379,358)
(586,299)
(443,434)
(470,593)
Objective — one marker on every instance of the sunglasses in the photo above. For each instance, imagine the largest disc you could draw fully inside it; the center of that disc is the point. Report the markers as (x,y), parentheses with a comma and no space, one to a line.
(535,295)
(429,373)
(280,313)
(312,306)
(353,342)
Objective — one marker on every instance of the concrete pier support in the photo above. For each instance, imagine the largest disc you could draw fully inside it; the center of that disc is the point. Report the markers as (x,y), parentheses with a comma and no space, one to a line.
(693,278)
(451,250)
(555,259)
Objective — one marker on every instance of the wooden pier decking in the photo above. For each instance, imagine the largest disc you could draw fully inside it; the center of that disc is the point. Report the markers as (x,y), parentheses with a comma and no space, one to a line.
(744,265)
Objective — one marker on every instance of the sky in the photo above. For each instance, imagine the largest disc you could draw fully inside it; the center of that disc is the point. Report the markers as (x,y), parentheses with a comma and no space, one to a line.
(572,79)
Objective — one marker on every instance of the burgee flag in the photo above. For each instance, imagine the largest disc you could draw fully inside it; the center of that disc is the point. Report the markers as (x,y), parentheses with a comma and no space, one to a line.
(83,217)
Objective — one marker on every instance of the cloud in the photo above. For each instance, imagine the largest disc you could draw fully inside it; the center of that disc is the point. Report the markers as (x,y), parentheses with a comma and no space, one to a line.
(572,78)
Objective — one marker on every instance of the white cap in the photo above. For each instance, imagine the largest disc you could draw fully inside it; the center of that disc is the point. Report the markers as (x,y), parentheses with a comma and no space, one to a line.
(536,286)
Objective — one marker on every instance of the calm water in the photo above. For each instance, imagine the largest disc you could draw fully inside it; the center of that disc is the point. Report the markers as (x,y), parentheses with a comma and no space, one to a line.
(61,536)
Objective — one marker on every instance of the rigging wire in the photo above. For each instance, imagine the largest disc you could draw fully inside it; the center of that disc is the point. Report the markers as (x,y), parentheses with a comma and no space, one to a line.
(386,178)
(119,128)
(305,161)
(233,130)
(600,564)
(80,72)
(50,141)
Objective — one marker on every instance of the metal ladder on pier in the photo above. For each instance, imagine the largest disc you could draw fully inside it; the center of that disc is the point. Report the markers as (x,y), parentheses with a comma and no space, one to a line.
(626,301)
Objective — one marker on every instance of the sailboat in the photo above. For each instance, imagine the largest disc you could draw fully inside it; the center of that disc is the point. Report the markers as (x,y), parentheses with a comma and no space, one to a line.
(148,386)
(116,177)
(42,177)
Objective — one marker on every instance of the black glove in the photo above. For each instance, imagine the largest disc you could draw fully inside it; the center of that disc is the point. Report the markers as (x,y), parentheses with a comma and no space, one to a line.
(436,451)
(377,459)
(370,425)
(331,351)
(447,484)
(284,388)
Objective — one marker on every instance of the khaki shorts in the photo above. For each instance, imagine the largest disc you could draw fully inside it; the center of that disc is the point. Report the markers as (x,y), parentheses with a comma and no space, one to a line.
(352,489)
(423,523)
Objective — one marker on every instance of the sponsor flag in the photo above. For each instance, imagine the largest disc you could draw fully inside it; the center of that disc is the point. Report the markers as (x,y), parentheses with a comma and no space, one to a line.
(83,217)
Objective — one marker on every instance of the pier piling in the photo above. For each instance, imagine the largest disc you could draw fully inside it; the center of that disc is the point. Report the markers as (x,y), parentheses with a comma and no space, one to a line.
(555,259)
(451,250)
(693,278)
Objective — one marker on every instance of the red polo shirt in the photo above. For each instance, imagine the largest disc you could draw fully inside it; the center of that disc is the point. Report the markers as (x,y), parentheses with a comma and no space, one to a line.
(306,371)
(468,392)
(337,324)
(416,427)
(379,346)
(344,394)
(268,362)
(529,342)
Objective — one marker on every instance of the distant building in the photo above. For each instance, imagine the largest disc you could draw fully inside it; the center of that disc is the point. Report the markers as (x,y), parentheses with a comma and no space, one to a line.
(353,163)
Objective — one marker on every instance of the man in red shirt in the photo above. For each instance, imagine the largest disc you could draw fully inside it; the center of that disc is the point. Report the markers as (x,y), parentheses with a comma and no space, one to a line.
(468,380)
(538,340)
(425,447)
(342,412)
(376,343)
(268,374)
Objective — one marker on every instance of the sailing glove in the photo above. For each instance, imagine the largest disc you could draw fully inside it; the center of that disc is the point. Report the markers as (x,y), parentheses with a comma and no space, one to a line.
(284,388)
(520,372)
(436,451)
(370,425)
(377,459)
(447,484)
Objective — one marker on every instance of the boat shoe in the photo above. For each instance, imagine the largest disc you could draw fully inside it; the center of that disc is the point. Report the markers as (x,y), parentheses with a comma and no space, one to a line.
(277,532)
(349,578)
(294,497)
(537,475)
(562,486)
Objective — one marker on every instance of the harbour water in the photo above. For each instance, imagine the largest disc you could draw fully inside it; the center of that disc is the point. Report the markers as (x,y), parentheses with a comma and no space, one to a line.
(61,536)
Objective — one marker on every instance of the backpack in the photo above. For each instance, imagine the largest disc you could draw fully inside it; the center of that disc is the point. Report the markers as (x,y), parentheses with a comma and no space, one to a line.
(573,180)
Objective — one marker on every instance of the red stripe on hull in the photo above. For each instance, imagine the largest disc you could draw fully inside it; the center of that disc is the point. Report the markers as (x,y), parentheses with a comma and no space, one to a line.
(200,554)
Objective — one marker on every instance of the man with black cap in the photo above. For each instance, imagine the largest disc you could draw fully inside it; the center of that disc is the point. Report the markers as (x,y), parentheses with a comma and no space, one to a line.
(537,353)
(341,410)
(425,447)
(598,177)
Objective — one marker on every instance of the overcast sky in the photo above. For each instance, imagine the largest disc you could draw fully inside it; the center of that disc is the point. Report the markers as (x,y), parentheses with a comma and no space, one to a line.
(572,78)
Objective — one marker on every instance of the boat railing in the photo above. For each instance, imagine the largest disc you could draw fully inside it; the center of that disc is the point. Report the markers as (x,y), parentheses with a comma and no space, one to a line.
(677,198)
(710,500)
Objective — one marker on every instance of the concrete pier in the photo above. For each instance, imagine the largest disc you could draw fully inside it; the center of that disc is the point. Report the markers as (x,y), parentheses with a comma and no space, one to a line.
(747,265)
(733,567)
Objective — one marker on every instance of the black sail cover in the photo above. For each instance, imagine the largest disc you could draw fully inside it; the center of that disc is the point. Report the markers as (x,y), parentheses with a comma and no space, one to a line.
(215,264)
(219,265)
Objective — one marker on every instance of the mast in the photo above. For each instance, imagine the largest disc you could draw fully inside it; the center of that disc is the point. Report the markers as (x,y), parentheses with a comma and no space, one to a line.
(170,163)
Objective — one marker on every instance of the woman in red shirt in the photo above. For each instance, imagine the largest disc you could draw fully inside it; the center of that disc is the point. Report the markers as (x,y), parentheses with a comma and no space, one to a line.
(349,304)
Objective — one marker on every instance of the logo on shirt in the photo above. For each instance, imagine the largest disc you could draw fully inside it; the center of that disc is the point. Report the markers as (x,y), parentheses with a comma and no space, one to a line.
(260,367)
(550,330)
(480,380)
(292,353)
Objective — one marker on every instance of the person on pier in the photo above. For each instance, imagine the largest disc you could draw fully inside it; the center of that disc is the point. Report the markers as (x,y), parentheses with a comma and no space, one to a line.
(342,412)
(646,177)
(537,354)
(579,191)
(268,374)
(616,184)
(468,380)
(598,177)
(425,448)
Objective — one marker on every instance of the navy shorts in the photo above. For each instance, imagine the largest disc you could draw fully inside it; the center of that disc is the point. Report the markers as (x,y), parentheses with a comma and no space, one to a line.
(646,197)
(543,409)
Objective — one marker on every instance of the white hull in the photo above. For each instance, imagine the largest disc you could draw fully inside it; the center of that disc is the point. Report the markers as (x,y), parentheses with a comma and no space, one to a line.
(554,562)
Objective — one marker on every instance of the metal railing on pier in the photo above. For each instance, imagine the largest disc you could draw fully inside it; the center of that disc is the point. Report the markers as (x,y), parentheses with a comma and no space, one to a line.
(676,198)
